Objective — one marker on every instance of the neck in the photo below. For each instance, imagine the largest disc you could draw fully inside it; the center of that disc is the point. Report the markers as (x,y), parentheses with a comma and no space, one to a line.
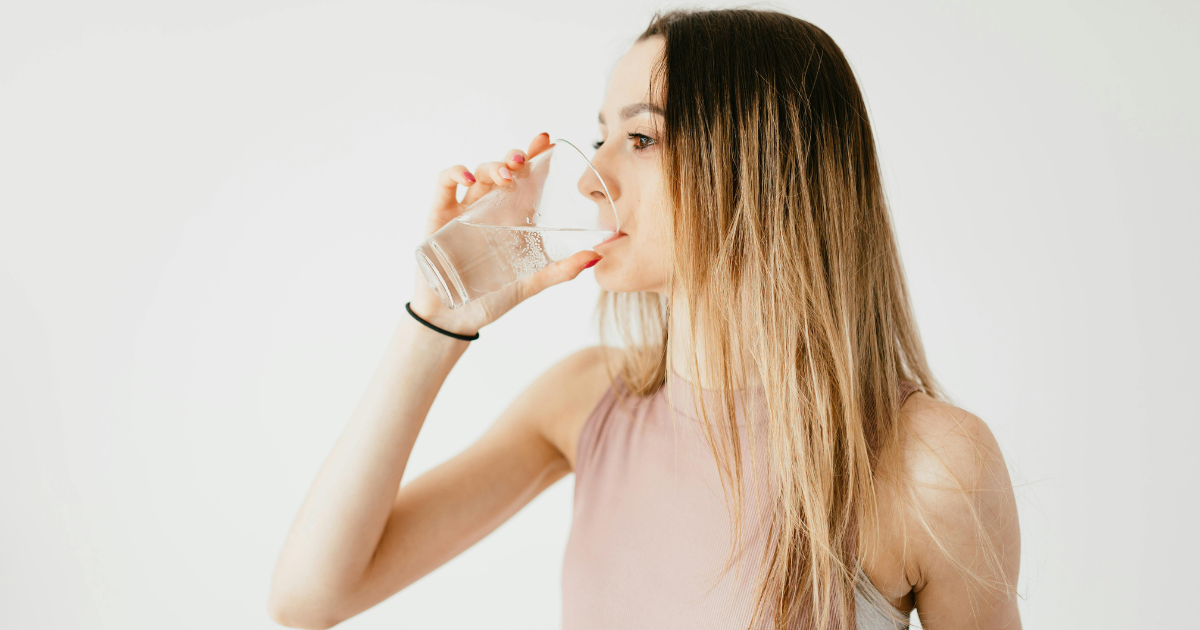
(685,350)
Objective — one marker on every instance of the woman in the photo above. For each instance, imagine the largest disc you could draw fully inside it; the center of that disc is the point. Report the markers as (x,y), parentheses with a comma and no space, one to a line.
(767,448)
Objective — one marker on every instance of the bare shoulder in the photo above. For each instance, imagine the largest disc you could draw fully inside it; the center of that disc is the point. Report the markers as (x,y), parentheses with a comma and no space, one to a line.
(946,448)
(560,400)
(959,510)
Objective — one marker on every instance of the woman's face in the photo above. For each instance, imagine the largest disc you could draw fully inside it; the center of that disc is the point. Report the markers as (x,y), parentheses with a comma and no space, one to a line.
(629,159)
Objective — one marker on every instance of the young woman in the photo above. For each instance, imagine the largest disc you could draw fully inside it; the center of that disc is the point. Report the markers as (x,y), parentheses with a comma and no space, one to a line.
(766,449)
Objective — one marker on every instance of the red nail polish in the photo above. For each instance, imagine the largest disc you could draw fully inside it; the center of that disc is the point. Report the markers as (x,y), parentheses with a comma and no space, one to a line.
(469,176)
(519,159)
(594,261)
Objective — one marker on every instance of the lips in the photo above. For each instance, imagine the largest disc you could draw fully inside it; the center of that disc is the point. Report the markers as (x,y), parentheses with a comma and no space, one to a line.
(610,239)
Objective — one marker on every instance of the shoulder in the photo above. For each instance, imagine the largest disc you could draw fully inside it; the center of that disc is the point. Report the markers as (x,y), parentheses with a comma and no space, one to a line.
(958,504)
(944,447)
(560,400)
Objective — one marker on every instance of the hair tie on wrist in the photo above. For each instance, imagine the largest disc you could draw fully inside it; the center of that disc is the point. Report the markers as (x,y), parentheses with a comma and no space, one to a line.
(408,307)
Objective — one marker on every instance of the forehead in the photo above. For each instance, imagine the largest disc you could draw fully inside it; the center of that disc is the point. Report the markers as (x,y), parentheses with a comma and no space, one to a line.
(630,82)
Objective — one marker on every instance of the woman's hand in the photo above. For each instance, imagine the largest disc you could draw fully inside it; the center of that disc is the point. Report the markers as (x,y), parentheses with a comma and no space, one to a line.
(469,318)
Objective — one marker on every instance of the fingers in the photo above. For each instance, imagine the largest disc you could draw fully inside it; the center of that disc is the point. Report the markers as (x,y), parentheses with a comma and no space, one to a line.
(489,175)
(445,201)
(446,195)
(555,273)
(486,177)
(515,160)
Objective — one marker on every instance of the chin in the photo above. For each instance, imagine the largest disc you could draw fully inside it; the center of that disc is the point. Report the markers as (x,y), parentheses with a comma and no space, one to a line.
(618,279)
(609,277)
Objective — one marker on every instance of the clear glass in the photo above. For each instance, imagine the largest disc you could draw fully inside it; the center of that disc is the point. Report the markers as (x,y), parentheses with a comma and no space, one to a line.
(558,206)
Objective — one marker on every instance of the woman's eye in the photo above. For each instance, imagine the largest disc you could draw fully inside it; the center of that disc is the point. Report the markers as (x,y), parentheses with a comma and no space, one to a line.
(641,141)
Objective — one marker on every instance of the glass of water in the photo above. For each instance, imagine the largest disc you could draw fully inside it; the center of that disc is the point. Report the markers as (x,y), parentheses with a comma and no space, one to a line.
(557,205)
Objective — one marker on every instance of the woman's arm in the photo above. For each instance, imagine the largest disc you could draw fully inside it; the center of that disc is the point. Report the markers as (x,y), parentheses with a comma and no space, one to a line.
(358,536)
(963,534)
(332,545)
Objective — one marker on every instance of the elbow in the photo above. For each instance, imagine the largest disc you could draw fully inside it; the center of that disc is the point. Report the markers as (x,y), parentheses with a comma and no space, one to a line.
(294,610)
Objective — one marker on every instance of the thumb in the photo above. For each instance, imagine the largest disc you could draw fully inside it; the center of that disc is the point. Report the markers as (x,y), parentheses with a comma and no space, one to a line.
(561,271)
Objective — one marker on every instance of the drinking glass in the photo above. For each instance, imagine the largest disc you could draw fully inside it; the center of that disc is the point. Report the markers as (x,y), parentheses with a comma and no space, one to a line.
(553,209)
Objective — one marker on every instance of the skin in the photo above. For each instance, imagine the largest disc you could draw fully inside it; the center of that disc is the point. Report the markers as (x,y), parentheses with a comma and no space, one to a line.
(360,537)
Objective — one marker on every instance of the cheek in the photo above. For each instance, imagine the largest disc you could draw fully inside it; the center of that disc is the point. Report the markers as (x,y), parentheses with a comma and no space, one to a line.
(653,245)
(641,263)
(639,266)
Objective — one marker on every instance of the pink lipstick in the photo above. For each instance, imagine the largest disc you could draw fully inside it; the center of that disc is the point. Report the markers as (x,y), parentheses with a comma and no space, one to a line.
(615,236)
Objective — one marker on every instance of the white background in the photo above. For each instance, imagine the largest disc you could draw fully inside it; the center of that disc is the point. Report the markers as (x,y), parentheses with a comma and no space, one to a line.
(208,214)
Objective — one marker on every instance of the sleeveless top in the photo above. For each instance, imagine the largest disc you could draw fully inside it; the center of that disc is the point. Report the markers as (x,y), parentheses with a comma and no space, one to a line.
(651,532)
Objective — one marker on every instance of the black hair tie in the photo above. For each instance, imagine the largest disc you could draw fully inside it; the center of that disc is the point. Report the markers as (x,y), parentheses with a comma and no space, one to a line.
(408,307)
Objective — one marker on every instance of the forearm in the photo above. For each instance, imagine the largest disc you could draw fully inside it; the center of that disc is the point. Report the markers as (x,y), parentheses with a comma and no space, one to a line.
(335,534)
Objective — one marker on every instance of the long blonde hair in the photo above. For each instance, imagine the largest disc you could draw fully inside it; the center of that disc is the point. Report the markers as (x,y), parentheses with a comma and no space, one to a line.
(782,244)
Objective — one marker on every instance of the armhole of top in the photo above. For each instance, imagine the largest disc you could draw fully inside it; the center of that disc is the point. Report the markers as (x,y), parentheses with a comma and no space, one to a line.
(589,432)
(908,388)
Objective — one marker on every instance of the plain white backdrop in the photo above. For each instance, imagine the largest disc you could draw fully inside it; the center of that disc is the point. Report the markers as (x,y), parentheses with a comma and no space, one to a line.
(207,223)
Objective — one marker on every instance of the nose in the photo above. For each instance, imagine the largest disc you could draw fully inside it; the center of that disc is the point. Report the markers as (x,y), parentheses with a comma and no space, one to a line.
(603,193)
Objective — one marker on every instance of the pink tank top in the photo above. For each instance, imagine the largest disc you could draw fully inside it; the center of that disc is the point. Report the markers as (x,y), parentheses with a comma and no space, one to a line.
(651,531)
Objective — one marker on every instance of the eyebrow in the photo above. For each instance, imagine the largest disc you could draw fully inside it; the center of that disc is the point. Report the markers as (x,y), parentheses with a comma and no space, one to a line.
(629,111)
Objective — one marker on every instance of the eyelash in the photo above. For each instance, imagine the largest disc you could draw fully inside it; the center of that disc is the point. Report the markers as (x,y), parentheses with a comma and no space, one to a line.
(631,136)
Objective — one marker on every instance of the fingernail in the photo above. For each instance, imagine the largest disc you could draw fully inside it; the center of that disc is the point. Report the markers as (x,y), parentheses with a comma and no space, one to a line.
(469,176)
(519,159)
(544,133)
(594,261)
(505,173)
